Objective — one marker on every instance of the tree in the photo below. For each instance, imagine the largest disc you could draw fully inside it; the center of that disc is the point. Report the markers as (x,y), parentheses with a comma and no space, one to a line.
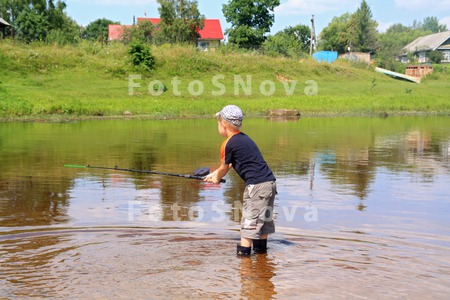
(432,24)
(391,44)
(363,29)
(142,33)
(250,21)
(67,34)
(97,29)
(10,10)
(290,42)
(336,35)
(62,29)
(357,31)
(302,34)
(31,25)
(180,20)
(39,19)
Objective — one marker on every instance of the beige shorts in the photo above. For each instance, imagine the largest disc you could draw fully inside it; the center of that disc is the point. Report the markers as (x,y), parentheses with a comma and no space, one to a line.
(258,214)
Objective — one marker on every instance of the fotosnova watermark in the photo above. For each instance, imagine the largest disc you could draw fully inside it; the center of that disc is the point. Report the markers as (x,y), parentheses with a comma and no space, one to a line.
(242,86)
(218,212)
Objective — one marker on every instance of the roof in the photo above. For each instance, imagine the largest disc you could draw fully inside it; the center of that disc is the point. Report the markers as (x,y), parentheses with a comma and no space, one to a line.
(212,30)
(154,21)
(3,22)
(428,42)
(115,31)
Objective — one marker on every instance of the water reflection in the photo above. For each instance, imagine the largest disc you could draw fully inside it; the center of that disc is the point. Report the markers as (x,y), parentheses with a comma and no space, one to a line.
(256,277)
(353,168)
(347,153)
(360,199)
(33,200)
(178,199)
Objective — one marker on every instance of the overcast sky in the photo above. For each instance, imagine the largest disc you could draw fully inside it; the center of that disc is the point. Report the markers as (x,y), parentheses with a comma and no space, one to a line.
(289,13)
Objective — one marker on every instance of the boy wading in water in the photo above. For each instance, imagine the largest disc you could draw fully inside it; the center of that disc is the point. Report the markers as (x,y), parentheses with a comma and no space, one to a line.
(239,151)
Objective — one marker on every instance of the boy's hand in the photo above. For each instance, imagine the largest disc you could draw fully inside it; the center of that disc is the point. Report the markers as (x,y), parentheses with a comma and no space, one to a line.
(212,177)
(218,174)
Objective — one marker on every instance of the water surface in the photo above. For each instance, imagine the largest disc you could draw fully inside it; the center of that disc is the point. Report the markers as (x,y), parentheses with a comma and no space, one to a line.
(362,211)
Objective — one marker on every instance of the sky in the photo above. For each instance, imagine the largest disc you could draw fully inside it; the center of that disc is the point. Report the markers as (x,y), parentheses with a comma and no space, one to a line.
(289,13)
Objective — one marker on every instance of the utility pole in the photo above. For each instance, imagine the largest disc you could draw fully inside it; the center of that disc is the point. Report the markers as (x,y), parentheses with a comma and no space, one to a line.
(313,37)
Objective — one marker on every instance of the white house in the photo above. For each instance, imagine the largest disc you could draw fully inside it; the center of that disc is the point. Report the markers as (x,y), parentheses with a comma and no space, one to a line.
(422,45)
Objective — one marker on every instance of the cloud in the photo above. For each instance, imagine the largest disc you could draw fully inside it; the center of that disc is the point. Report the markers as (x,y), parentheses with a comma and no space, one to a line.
(436,5)
(311,7)
(116,2)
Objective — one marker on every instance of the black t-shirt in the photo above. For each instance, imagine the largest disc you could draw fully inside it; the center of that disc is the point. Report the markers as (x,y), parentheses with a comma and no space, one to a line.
(247,160)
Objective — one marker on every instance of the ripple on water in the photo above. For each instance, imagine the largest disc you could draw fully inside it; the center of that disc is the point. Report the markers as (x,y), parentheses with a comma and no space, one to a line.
(194,263)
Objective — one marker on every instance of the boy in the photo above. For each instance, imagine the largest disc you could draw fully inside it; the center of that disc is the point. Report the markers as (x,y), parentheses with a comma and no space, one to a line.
(240,152)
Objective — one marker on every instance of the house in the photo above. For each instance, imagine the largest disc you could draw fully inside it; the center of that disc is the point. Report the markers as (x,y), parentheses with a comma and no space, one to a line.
(115,31)
(3,25)
(211,34)
(433,42)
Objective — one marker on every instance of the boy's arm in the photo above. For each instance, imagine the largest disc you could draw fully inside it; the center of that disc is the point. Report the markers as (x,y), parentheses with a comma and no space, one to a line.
(218,174)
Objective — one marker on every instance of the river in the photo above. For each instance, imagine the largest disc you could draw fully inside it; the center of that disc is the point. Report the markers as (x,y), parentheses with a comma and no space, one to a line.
(362,211)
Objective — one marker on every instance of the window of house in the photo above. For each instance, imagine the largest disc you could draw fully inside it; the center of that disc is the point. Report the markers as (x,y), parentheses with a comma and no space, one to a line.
(422,57)
(203,45)
(446,54)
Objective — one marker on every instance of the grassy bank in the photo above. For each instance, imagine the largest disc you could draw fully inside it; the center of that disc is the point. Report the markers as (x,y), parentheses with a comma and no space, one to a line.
(91,80)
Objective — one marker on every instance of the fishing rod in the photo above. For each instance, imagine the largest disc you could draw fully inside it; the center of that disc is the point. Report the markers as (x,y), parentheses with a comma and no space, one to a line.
(198,174)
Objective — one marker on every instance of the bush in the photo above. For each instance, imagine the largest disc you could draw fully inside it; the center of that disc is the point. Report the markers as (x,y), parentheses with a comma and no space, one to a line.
(436,56)
(141,56)
(439,68)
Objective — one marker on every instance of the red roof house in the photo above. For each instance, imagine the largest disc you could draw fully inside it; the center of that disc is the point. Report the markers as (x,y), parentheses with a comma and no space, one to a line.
(210,35)
(115,31)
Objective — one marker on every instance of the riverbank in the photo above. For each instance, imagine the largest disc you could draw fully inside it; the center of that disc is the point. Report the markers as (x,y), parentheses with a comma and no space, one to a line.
(92,81)
(57,118)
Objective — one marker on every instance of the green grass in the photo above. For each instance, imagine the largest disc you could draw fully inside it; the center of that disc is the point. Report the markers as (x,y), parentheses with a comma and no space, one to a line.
(91,80)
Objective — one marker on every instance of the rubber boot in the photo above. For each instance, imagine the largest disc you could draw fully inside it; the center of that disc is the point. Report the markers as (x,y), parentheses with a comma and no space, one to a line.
(243,251)
(260,246)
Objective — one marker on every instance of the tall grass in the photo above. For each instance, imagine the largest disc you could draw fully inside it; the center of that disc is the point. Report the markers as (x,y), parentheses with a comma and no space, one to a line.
(91,79)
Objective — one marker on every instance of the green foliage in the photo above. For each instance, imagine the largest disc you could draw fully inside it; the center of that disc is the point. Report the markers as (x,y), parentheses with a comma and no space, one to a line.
(10,10)
(363,29)
(39,20)
(97,30)
(291,42)
(432,24)
(144,32)
(357,31)
(180,21)
(32,26)
(336,36)
(160,88)
(92,79)
(435,56)
(443,68)
(391,44)
(250,21)
(141,56)
(67,34)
